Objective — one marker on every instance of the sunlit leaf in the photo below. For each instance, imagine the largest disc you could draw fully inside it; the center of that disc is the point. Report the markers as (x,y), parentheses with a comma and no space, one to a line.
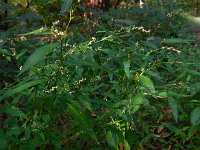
(162,95)
(195,116)
(126,145)
(37,56)
(146,81)
(136,102)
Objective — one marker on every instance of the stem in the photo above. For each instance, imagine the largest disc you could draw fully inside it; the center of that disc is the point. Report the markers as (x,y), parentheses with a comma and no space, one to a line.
(197,13)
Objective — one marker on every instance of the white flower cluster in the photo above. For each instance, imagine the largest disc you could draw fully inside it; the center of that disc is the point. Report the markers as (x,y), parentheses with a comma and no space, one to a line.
(171,49)
(141,29)
(52,89)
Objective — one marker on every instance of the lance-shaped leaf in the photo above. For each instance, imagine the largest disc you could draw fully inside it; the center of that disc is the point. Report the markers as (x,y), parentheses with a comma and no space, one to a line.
(125,21)
(176,41)
(16,112)
(20,87)
(174,107)
(37,56)
(111,140)
(66,4)
(84,121)
(195,116)
(41,31)
(127,68)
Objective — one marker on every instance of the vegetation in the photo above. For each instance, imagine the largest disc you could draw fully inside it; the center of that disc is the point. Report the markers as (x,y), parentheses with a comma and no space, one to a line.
(83,75)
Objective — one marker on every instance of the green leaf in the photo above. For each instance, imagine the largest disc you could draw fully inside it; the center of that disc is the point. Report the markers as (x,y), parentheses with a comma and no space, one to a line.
(16,112)
(176,40)
(126,145)
(195,116)
(38,55)
(125,21)
(111,140)
(5,52)
(20,87)
(147,83)
(85,122)
(195,88)
(85,100)
(35,142)
(4,144)
(115,137)
(66,4)
(41,31)
(172,128)
(136,102)
(174,107)
(121,103)
(127,68)
(8,137)
(162,95)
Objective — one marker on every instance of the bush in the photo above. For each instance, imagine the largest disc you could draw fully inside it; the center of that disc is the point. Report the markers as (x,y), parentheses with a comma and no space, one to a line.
(129,83)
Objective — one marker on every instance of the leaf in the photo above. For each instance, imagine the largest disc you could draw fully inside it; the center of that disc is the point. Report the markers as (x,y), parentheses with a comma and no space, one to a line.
(37,56)
(111,141)
(35,142)
(125,21)
(8,137)
(172,128)
(147,83)
(85,123)
(16,112)
(4,6)
(126,145)
(121,103)
(4,143)
(5,52)
(195,88)
(116,140)
(162,95)
(41,31)
(66,4)
(176,40)
(20,87)
(195,116)
(136,102)
(174,107)
(85,100)
(127,68)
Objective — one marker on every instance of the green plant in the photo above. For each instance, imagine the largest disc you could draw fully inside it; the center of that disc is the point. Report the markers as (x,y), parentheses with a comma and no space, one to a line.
(124,86)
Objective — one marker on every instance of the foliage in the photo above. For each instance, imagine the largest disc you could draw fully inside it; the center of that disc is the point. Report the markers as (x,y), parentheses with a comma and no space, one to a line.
(133,83)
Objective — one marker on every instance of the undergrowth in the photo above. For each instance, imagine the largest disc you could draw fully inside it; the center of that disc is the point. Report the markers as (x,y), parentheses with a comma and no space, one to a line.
(132,83)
